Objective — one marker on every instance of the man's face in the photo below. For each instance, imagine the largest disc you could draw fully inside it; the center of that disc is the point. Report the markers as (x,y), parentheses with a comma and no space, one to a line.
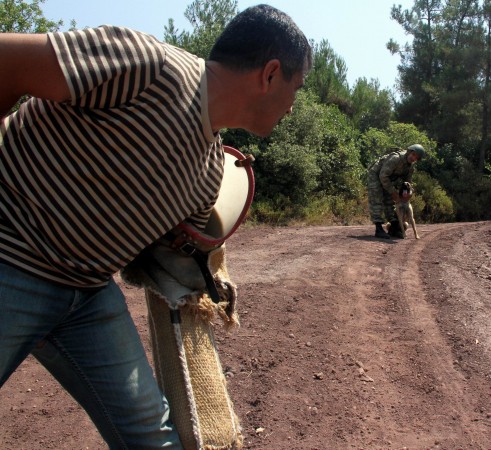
(276,104)
(412,157)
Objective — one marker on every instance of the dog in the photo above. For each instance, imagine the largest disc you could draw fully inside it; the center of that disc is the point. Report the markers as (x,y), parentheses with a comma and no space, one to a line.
(404,210)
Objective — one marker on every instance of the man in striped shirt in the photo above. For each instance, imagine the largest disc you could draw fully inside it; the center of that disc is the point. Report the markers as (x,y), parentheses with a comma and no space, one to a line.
(118,143)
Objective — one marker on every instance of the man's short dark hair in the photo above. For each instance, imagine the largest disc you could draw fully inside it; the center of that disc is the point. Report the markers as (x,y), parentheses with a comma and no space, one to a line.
(259,34)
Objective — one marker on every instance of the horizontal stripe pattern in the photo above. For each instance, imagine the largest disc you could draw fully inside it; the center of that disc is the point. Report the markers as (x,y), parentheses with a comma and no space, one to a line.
(86,185)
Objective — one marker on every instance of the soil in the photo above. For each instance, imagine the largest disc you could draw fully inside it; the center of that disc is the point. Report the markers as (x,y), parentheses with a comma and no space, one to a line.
(346,342)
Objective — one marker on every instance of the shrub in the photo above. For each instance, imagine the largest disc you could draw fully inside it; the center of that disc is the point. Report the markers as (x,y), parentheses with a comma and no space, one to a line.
(431,203)
(288,171)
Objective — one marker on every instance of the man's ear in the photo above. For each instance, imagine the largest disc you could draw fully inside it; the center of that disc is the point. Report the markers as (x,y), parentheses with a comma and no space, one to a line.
(271,70)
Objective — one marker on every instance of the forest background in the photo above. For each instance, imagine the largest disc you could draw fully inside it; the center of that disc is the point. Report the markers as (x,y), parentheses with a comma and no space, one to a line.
(313,168)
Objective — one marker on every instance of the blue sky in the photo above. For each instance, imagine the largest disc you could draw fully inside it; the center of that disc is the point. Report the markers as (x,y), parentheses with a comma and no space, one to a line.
(357,30)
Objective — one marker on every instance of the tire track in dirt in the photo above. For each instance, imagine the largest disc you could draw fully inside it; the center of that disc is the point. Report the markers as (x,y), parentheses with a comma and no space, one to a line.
(319,327)
(388,376)
(337,282)
(469,277)
(461,276)
(430,358)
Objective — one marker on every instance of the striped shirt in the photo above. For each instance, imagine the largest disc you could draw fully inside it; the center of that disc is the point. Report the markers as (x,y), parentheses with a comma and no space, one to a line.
(87,184)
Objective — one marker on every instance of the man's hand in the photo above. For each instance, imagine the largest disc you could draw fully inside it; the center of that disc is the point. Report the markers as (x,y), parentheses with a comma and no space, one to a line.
(395,196)
(29,67)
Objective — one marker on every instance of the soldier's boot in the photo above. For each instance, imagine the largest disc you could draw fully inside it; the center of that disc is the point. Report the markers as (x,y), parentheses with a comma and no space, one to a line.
(395,229)
(380,232)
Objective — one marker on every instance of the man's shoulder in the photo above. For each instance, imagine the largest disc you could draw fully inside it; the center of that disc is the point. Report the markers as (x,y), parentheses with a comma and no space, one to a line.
(397,155)
(393,155)
(179,53)
(394,158)
(98,39)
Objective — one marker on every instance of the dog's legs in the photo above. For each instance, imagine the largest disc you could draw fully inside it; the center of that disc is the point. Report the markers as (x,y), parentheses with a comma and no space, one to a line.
(413,223)
(400,217)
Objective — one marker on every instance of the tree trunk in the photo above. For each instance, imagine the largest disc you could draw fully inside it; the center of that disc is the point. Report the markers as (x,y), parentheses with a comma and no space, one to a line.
(485,102)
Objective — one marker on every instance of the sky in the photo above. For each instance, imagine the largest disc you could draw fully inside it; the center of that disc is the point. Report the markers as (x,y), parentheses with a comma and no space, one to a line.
(357,30)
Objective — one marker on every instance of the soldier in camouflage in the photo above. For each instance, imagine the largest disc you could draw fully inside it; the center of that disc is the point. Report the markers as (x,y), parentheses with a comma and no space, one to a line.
(383,177)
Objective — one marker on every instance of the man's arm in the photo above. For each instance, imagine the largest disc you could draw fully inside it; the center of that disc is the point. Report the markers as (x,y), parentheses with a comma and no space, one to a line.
(29,66)
(409,176)
(386,172)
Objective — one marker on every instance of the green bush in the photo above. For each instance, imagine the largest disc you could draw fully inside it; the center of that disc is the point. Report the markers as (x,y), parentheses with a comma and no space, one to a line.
(278,211)
(338,157)
(317,210)
(431,203)
(335,210)
(469,189)
(312,151)
(288,171)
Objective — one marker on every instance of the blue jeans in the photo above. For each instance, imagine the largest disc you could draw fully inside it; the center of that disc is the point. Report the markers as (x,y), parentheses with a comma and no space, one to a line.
(89,343)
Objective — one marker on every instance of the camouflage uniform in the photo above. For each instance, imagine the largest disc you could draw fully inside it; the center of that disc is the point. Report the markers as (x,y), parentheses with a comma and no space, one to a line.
(383,177)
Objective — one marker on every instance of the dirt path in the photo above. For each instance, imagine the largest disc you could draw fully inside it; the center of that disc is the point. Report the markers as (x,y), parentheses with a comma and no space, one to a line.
(346,342)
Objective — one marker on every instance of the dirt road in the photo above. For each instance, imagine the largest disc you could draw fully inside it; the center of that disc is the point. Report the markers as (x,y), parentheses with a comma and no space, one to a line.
(346,342)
